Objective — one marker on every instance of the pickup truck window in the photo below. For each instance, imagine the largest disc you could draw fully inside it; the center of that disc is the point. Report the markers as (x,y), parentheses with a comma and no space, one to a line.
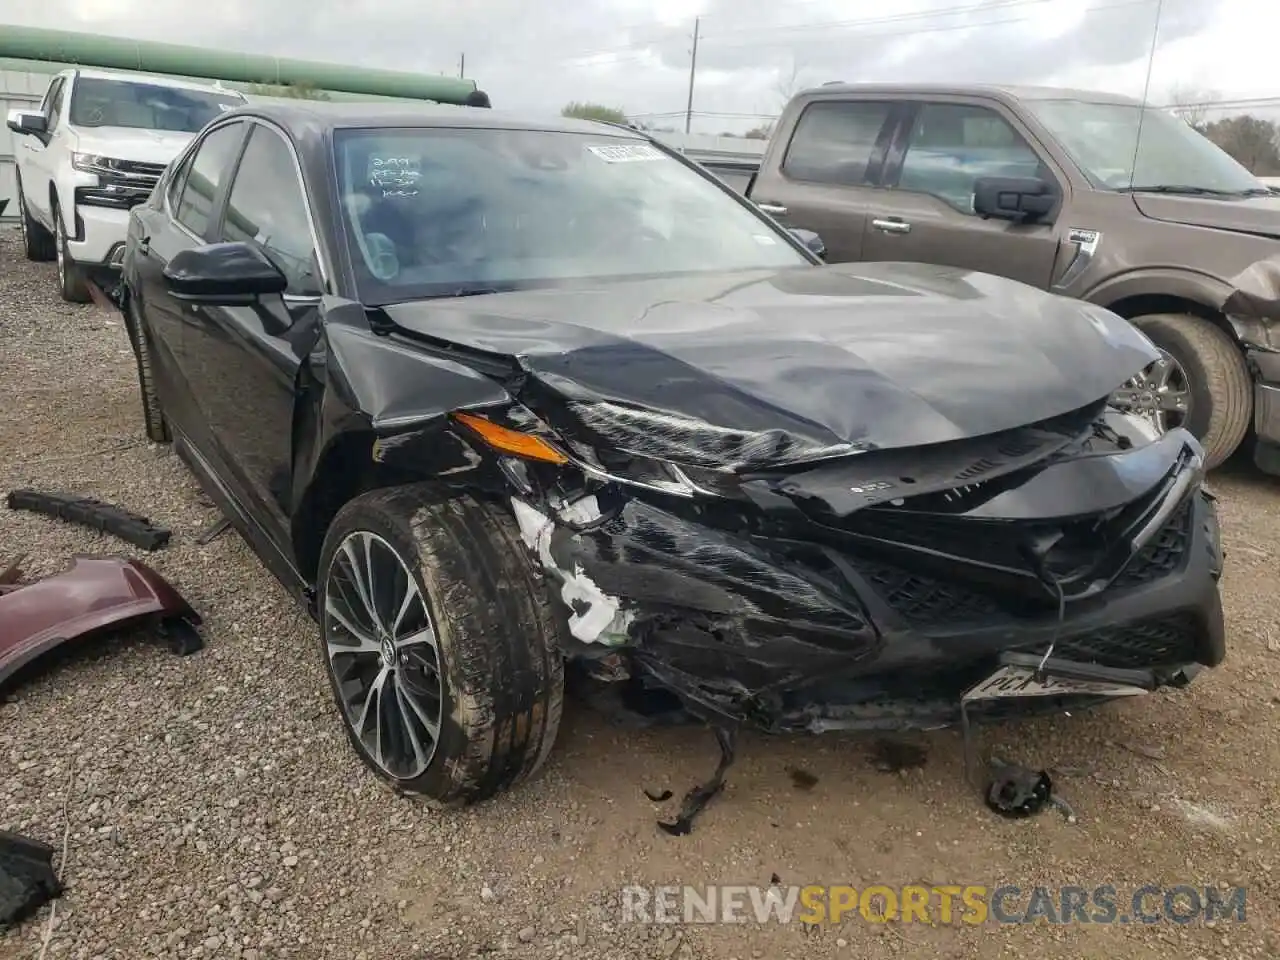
(98,102)
(953,144)
(53,104)
(439,211)
(1100,137)
(834,140)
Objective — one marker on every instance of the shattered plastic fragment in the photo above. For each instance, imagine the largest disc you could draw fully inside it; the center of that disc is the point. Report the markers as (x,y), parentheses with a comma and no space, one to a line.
(1016,791)
(597,617)
(27,879)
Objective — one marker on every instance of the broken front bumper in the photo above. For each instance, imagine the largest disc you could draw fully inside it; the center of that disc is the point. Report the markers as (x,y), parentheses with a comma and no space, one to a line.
(794,633)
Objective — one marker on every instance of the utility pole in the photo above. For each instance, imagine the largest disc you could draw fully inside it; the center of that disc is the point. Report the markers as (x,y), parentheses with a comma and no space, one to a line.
(462,66)
(693,70)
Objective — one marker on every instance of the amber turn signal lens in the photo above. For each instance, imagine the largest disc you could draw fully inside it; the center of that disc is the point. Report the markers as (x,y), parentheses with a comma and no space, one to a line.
(512,441)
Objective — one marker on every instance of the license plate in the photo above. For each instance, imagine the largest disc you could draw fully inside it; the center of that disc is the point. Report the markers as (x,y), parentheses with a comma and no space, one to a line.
(1022,682)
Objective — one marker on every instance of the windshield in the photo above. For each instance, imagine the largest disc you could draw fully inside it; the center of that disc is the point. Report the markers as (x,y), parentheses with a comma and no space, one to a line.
(440,211)
(1100,138)
(96,102)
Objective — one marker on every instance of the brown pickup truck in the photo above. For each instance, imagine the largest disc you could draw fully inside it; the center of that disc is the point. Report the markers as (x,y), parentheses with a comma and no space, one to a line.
(1045,186)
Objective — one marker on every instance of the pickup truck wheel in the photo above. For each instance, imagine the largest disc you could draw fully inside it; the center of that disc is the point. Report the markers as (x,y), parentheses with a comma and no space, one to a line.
(153,419)
(442,648)
(1206,387)
(71,280)
(37,242)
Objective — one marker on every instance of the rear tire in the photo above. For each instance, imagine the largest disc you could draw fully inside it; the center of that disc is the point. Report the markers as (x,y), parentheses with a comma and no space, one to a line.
(37,242)
(482,616)
(153,419)
(1221,388)
(71,281)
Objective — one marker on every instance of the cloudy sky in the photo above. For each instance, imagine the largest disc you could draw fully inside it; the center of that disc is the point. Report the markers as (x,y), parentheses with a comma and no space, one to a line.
(634,54)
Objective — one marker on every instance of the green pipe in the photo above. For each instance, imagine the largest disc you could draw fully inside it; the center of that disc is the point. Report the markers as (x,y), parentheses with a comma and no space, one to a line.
(90,50)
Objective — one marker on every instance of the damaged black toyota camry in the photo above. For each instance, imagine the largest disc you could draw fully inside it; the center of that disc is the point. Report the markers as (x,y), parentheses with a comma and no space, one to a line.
(493,396)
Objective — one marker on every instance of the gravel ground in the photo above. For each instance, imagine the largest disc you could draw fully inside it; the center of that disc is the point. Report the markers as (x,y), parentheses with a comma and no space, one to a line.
(211,807)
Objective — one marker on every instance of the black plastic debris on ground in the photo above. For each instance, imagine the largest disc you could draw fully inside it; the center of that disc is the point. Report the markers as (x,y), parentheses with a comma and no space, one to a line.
(129,527)
(27,880)
(1014,791)
(697,798)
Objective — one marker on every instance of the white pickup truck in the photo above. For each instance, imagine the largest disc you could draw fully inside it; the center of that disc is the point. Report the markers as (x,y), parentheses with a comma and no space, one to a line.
(93,150)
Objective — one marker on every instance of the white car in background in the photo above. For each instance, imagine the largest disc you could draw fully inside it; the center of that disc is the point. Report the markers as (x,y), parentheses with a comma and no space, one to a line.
(93,150)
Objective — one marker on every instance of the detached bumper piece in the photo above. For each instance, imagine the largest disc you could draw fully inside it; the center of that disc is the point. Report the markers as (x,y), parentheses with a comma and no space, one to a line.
(128,526)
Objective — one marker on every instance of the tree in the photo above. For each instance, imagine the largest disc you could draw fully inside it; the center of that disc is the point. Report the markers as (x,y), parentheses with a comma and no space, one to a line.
(762,132)
(593,111)
(1191,104)
(787,84)
(1251,140)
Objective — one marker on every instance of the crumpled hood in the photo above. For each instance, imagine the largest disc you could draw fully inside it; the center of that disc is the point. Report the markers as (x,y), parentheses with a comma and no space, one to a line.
(787,366)
(1257,215)
(127,143)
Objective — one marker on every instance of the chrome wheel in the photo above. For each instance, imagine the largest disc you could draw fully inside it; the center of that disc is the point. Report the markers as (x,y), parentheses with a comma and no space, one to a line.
(22,219)
(383,652)
(1160,394)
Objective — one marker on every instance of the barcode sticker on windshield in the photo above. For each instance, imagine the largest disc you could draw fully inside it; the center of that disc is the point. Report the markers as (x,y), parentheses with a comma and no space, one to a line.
(625,152)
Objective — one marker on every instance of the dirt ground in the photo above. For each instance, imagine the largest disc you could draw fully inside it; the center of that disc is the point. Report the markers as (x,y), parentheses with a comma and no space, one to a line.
(210,806)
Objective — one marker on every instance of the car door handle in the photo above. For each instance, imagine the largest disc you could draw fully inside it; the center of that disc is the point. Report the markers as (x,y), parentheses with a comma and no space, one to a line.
(892,226)
(773,209)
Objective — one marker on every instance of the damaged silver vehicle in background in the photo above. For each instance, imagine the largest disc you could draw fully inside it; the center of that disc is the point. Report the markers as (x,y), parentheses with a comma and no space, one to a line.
(489,395)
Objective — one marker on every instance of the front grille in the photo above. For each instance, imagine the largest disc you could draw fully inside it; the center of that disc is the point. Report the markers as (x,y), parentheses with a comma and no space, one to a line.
(152,170)
(920,599)
(1159,642)
(112,196)
(1163,553)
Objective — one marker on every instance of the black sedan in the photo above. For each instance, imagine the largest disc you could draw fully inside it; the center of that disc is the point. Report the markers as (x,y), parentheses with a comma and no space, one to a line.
(494,396)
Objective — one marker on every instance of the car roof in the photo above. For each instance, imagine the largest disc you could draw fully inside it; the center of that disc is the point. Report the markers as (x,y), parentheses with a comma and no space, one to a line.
(158,80)
(304,116)
(1000,91)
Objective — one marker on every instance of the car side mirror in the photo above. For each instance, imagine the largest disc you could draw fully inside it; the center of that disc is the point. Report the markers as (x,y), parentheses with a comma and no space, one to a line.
(229,274)
(26,123)
(1020,199)
(811,240)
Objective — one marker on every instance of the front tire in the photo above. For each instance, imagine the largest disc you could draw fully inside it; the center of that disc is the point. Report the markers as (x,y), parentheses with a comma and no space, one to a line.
(37,242)
(71,281)
(1214,379)
(442,649)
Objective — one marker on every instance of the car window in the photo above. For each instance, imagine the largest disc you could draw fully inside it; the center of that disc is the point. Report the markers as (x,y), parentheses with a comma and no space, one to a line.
(438,210)
(267,207)
(52,107)
(953,144)
(178,180)
(834,141)
(205,175)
